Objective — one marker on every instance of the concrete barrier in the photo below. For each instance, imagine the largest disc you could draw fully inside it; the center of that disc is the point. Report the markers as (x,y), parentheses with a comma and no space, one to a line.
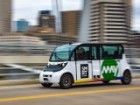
(24,59)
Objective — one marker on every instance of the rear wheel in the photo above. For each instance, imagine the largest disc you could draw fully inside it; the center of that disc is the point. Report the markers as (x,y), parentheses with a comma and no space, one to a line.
(66,81)
(46,84)
(127,78)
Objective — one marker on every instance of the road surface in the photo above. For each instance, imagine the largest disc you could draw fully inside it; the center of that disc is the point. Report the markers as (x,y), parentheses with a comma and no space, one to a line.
(89,94)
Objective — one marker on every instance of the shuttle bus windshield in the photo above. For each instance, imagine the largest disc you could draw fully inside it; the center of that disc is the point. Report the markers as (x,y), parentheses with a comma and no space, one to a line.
(62,53)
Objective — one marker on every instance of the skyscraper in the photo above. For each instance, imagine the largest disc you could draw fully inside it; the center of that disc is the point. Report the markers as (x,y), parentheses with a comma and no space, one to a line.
(70,22)
(5,15)
(106,21)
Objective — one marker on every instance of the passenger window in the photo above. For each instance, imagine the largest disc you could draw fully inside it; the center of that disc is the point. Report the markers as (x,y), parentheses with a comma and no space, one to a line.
(94,53)
(110,52)
(83,53)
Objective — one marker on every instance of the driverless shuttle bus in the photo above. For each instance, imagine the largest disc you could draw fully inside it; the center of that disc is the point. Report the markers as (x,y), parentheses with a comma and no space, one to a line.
(81,63)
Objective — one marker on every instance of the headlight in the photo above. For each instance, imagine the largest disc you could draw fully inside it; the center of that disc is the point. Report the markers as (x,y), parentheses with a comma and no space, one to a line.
(48,64)
(62,64)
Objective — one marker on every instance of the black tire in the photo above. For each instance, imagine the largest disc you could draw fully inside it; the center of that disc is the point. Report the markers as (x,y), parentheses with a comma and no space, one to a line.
(46,84)
(127,78)
(106,81)
(66,81)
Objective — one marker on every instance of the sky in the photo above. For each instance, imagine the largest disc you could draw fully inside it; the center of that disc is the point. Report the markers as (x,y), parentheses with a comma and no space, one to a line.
(28,9)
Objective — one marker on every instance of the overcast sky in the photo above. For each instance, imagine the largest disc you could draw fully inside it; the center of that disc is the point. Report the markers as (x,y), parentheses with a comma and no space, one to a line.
(28,9)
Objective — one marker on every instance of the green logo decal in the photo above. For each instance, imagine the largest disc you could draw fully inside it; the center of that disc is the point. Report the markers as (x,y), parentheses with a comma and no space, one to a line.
(109,69)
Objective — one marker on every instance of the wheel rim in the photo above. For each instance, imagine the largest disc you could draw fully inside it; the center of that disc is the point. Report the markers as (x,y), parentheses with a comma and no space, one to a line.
(67,81)
(127,78)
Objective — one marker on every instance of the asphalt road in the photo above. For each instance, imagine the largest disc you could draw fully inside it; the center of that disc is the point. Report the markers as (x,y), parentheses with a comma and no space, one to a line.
(89,94)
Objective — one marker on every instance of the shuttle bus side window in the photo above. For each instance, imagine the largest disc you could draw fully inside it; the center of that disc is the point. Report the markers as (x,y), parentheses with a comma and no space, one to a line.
(110,52)
(83,53)
(94,53)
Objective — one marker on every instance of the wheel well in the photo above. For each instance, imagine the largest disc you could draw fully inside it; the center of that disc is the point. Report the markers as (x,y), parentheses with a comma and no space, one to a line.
(68,74)
(127,70)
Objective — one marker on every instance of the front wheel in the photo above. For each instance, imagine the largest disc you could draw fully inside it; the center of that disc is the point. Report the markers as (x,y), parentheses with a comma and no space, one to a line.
(66,81)
(127,78)
(46,84)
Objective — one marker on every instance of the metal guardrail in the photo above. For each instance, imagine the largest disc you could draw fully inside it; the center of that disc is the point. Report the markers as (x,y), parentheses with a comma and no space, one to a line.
(33,71)
(25,68)
(19,74)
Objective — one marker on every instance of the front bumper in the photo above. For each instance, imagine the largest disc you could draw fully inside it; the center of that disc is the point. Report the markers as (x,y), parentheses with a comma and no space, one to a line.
(49,77)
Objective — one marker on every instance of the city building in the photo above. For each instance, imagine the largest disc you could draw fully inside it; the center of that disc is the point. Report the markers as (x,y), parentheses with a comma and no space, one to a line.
(21,25)
(18,38)
(33,28)
(38,29)
(106,21)
(5,15)
(45,19)
(54,38)
(17,43)
(71,22)
(134,45)
(134,39)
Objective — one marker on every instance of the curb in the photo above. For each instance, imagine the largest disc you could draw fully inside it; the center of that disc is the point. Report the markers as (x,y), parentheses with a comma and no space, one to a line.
(18,82)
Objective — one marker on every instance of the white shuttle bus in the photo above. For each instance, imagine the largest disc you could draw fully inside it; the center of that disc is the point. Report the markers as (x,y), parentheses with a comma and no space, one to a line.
(81,63)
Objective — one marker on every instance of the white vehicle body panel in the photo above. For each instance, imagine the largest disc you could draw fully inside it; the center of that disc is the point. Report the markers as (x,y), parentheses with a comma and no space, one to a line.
(75,69)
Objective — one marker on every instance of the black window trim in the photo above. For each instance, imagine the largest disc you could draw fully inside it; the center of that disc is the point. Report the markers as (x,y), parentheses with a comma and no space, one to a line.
(98,47)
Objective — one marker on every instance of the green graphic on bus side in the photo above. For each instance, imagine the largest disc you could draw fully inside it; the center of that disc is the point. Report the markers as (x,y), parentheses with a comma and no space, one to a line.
(109,69)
